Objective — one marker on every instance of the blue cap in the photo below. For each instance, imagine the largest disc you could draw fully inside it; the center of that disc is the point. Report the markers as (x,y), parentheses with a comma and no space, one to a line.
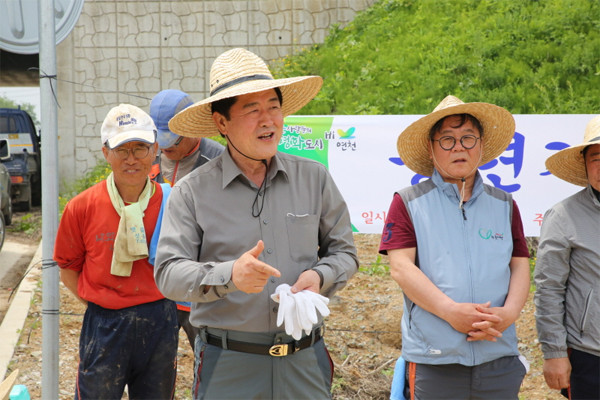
(163,107)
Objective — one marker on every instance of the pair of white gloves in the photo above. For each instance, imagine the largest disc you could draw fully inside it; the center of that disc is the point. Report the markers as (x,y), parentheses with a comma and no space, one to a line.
(298,311)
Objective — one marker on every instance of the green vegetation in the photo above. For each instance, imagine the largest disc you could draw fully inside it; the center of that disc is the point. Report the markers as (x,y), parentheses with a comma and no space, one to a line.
(532,244)
(219,139)
(95,175)
(404,56)
(29,108)
(532,261)
(26,224)
(338,384)
(375,268)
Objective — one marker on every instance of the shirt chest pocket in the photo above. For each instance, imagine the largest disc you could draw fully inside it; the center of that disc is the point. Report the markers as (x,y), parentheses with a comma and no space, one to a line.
(303,238)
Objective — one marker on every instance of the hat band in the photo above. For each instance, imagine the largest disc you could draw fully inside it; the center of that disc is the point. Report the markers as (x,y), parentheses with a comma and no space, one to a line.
(224,86)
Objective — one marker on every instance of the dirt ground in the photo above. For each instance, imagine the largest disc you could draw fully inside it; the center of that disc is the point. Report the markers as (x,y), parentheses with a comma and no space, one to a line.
(10,281)
(363,336)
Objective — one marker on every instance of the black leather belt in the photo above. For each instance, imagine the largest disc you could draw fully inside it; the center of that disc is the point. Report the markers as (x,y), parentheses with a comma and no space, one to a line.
(275,350)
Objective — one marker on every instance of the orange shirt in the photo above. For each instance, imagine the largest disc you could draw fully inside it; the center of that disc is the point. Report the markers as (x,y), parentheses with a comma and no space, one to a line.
(84,243)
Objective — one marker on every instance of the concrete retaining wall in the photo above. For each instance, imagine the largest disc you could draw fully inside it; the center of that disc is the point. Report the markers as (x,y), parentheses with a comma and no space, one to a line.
(140,47)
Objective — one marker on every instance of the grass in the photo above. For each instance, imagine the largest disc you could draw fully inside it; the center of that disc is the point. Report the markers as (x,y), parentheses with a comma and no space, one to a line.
(26,224)
(375,268)
(404,56)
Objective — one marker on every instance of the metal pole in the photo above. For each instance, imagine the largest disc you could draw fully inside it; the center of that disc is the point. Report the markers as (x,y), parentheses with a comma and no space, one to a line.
(50,276)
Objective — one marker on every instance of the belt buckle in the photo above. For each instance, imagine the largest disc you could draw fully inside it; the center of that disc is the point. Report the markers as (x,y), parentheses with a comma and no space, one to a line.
(279,350)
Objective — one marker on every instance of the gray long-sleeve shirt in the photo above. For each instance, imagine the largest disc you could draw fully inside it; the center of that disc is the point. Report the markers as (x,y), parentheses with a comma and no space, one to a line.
(567,277)
(208,225)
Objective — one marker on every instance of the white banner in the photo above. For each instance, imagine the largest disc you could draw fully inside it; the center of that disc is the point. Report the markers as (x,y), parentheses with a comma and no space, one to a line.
(360,152)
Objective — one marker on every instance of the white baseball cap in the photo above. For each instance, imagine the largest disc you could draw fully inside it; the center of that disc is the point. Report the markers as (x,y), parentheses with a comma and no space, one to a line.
(127,123)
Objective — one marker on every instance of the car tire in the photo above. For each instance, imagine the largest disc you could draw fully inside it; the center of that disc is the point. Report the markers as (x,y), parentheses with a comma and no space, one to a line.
(2,230)
(25,205)
(36,193)
(8,213)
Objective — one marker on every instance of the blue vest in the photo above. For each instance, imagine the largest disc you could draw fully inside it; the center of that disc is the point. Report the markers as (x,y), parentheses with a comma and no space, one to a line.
(466,253)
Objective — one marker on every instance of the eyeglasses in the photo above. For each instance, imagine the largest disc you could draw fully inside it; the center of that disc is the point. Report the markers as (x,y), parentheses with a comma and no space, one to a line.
(178,141)
(448,142)
(138,152)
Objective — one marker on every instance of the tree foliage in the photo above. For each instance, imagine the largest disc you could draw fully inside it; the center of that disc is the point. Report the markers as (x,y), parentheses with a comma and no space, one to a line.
(404,56)
(28,107)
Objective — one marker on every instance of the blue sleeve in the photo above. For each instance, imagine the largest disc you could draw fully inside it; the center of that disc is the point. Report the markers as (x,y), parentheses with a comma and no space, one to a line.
(166,188)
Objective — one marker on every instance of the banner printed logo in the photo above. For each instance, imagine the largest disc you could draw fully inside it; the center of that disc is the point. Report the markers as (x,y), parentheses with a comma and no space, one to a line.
(307,137)
(349,134)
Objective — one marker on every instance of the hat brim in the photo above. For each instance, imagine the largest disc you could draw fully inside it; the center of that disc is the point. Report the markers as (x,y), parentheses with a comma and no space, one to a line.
(131,136)
(165,138)
(498,130)
(196,120)
(569,165)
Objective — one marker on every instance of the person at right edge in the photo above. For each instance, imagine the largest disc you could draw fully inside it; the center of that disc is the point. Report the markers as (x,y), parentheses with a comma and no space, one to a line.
(457,249)
(567,274)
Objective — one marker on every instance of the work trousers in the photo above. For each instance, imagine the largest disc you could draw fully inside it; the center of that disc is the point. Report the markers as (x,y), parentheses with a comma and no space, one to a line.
(134,346)
(183,319)
(498,379)
(585,376)
(227,374)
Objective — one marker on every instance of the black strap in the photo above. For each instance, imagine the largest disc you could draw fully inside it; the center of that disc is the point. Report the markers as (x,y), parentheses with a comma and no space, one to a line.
(264,349)
(257,77)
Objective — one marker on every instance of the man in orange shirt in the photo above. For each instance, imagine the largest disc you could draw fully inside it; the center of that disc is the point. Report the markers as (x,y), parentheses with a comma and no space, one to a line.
(129,333)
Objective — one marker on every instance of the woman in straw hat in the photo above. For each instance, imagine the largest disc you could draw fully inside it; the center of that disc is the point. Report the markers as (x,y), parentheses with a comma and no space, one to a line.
(567,274)
(457,250)
(250,224)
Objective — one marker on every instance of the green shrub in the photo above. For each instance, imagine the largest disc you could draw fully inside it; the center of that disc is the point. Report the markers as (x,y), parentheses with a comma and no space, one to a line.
(28,107)
(403,57)
(93,176)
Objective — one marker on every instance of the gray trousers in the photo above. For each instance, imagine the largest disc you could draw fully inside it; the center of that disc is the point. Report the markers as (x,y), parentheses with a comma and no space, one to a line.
(228,374)
(183,319)
(498,380)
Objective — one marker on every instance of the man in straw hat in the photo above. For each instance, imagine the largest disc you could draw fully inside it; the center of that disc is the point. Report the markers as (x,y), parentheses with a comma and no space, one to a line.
(457,249)
(129,332)
(250,224)
(567,273)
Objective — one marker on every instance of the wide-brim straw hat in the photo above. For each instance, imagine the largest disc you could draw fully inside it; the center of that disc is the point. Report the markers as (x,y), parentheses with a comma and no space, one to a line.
(237,72)
(568,164)
(498,130)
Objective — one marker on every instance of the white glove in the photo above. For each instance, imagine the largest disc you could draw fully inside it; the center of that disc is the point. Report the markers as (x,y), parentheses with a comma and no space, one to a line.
(287,309)
(305,312)
(319,302)
(298,311)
